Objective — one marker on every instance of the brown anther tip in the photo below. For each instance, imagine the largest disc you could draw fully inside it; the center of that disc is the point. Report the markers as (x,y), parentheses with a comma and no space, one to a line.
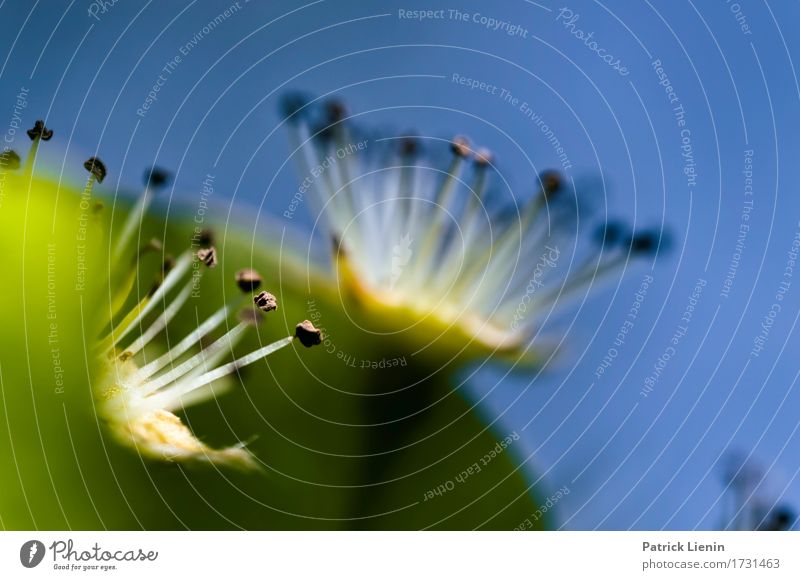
(483,157)
(551,182)
(97,207)
(292,105)
(208,256)
(248,280)
(460,146)
(648,242)
(308,334)
(156,177)
(250,316)
(9,160)
(40,131)
(206,238)
(409,146)
(96,167)
(265,301)
(336,111)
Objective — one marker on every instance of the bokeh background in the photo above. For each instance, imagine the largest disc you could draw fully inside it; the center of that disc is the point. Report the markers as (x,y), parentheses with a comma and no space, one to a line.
(630,456)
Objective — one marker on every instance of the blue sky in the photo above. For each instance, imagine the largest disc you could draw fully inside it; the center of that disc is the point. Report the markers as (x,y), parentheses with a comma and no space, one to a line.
(629,460)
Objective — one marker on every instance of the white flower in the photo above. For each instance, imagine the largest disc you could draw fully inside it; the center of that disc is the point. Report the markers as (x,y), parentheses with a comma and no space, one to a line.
(138,395)
(424,241)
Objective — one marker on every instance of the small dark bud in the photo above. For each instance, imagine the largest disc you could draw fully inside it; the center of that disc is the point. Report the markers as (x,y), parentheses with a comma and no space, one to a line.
(335,111)
(551,182)
(460,146)
(39,131)
(265,301)
(248,280)
(156,177)
(9,160)
(644,243)
(206,238)
(292,106)
(780,520)
(96,167)
(308,334)
(208,256)
(409,146)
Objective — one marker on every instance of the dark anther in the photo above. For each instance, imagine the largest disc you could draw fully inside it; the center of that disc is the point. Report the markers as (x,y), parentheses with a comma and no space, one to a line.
(483,157)
(336,111)
(292,106)
(96,167)
(265,301)
(551,181)
(308,334)
(39,131)
(206,238)
(208,256)
(460,146)
(156,177)
(644,242)
(780,520)
(409,146)
(248,280)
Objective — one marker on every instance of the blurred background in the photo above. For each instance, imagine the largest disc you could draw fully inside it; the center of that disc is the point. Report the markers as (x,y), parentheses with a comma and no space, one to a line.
(675,114)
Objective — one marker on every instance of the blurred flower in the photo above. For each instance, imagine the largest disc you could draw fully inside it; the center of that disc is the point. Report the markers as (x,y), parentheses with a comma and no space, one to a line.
(138,388)
(751,503)
(422,244)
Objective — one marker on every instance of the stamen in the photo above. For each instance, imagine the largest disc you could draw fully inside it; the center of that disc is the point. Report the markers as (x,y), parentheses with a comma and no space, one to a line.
(206,357)
(499,252)
(172,309)
(97,169)
(292,107)
(308,334)
(38,133)
(154,179)
(248,280)
(162,321)
(184,345)
(647,242)
(147,303)
(206,238)
(265,301)
(461,149)
(159,399)
(212,353)
(208,256)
